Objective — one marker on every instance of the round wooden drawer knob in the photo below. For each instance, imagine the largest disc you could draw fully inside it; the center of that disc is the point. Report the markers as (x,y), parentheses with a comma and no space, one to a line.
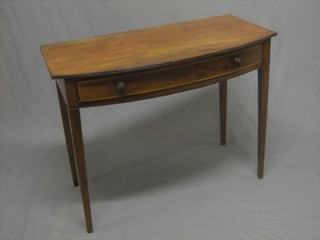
(237,61)
(121,87)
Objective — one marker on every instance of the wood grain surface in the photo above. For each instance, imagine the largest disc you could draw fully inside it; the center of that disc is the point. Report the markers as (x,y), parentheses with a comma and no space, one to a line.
(168,78)
(152,47)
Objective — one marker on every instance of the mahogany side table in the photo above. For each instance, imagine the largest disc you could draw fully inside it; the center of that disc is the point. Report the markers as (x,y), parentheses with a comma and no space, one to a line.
(153,62)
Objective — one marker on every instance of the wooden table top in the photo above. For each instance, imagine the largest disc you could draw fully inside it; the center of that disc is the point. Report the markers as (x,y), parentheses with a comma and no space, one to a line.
(151,47)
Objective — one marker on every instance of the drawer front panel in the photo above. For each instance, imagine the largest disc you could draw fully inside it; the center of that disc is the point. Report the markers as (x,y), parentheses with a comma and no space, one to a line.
(168,78)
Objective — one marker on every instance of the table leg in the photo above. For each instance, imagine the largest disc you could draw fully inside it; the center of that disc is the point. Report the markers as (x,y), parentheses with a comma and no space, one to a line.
(223,111)
(75,125)
(67,133)
(263,86)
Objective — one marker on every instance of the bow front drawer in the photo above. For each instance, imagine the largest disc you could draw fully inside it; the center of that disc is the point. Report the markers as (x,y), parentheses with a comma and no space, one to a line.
(170,79)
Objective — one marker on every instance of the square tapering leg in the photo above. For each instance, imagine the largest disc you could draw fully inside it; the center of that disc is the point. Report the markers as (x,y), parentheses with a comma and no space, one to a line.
(263,88)
(223,111)
(75,124)
(68,137)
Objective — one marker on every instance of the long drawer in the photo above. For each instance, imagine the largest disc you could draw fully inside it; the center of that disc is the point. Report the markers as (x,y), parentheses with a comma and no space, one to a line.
(167,79)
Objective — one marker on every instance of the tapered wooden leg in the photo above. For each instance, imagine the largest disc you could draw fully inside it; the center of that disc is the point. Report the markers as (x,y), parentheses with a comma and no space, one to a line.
(263,86)
(67,133)
(75,125)
(223,111)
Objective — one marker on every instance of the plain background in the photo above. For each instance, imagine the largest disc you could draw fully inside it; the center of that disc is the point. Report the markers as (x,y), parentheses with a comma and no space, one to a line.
(156,169)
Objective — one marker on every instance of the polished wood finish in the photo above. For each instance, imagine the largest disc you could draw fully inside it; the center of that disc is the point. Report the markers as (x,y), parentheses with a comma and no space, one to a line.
(153,62)
(168,78)
(68,136)
(263,86)
(152,47)
(76,132)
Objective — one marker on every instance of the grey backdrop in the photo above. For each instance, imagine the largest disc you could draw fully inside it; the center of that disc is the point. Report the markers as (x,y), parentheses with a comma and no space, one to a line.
(156,169)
